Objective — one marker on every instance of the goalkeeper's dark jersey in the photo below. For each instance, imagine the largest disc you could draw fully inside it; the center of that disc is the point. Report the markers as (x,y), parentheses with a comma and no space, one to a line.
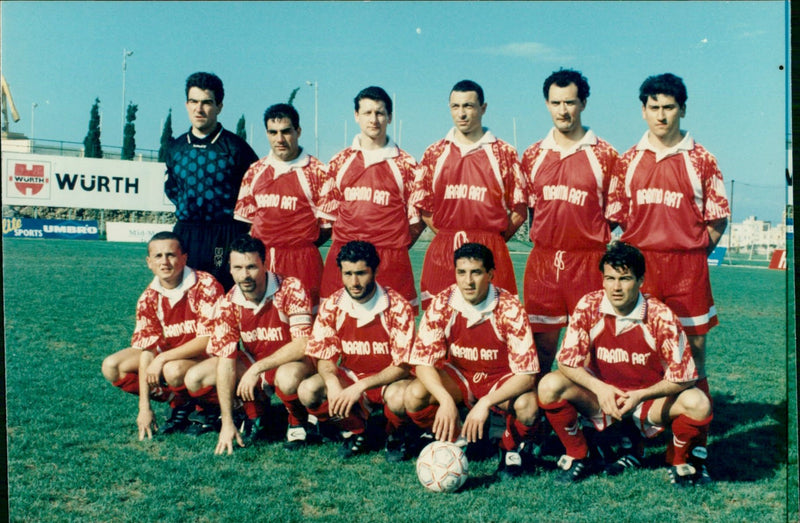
(204,175)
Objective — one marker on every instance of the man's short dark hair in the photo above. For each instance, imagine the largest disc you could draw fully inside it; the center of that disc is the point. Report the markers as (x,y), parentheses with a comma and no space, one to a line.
(475,251)
(667,84)
(246,243)
(356,251)
(166,235)
(375,93)
(565,77)
(208,81)
(465,86)
(281,111)
(622,256)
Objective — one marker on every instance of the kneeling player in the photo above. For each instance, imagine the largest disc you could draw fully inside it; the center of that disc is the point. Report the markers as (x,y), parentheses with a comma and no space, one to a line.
(475,348)
(368,330)
(640,366)
(260,332)
(173,318)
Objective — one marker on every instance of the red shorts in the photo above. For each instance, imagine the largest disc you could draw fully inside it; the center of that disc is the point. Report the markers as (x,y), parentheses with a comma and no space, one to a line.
(555,281)
(303,262)
(474,386)
(438,271)
(680,280)
(640,416)
(394,272)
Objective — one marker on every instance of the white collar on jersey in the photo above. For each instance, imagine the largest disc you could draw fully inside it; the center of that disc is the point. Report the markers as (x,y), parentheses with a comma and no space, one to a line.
(475,314)
(623,323)
(465,148)
(687,144)
(589,139)
(188,279)
(363,313)
(280,167)
(373,156)
(238,298)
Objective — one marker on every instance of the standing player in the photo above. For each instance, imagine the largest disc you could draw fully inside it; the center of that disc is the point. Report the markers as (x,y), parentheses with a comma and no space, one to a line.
(260,333)
(475,348)
(368,193)
(205,167)
(173,321)
(280,197)
(567,176)
(361,341)
(640,367)
(469,189)
(668,196)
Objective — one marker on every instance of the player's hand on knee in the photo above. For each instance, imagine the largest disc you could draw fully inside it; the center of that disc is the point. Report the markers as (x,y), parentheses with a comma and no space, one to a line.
(247,385)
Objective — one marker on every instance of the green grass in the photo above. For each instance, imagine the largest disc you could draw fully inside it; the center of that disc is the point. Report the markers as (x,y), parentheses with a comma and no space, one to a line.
(73,453)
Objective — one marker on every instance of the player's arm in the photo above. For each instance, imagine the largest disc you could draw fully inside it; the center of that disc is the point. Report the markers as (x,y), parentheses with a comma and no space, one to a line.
(427,219)
(715,230)
(446,424)
(329,373)
(226,380)
(292,351)
(145,420)
(324,235)
(606,394)
(516,218)
(662,389)
(348,397)
(476,418)
(189,350)
(415,230)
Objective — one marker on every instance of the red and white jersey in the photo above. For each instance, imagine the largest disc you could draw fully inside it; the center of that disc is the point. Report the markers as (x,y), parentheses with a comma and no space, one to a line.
(367,194)
(282,200)
(367,337)
(469,187)
(664,200)
(493,337)
(629,352)
(567,191)
(284,314)
(168,318)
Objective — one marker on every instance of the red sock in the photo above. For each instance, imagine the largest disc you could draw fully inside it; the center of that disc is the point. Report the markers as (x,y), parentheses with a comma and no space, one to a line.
(129,383)
(206,395)
(687,433)
(253,409)
(298,415)
(424,418)
(393,421)
(180,396)
(516,432)
(321,412)
(563,417)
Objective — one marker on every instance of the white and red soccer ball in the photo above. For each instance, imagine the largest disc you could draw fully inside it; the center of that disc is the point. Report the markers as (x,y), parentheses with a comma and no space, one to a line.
(442,467)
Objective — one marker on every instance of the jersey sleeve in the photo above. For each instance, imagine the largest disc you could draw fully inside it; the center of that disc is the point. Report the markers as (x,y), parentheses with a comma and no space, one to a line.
(522,355)
(246,206)
(672,344)
(226,332)
(401,328)
(318,176)
(715,199)
(208,293)
(422,197)
(618,205)
(324,343)
(608,158)
(330,195)
(430,347)
(148,333)
(577,342)
(529,158)
(293,301)
(408,170)
(512,175)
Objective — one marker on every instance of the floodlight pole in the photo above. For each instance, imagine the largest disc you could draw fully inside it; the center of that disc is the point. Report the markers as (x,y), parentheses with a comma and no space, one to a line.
(125,55)
(315,83)
(34,105)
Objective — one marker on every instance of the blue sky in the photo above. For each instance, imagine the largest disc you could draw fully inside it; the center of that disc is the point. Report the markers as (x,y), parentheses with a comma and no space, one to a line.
(61,55)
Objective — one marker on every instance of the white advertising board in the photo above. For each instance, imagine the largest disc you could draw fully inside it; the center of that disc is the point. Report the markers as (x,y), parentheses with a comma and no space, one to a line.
(134,232)
(88,183)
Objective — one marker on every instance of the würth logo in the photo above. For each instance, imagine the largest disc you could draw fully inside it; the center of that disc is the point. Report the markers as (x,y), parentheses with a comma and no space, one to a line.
(29,181)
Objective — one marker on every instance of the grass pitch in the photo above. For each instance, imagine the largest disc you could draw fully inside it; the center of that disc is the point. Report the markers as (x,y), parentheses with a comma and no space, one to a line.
(73,453)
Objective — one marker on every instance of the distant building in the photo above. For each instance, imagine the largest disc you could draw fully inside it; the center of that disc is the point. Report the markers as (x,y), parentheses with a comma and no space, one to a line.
(755,236)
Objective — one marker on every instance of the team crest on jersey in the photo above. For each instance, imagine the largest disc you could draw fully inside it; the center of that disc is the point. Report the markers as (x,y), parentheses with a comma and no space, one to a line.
(30,180)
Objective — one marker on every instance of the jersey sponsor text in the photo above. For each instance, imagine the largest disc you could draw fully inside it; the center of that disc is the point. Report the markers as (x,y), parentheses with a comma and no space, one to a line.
(659,196)
(473,353)
(367,194)
(179,329)
(262,334)
(365,348)
(564,192)
(462,191)
(621,356)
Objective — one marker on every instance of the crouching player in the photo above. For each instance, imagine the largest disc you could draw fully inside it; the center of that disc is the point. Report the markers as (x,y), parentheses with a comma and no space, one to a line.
(640,366)
(173,317)
(260,332)
(475,348)
(361,341)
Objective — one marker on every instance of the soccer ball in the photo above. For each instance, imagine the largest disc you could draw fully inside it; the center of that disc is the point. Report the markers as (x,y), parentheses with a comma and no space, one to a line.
(442,467)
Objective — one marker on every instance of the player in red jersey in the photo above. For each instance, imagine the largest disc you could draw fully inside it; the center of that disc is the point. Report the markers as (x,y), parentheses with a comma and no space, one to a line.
(361,341)
(260,332)
(625,355)
(567,176)
(280,197)
(475,348)
(368,193)
(173,318)
(668,195)
(468,189)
